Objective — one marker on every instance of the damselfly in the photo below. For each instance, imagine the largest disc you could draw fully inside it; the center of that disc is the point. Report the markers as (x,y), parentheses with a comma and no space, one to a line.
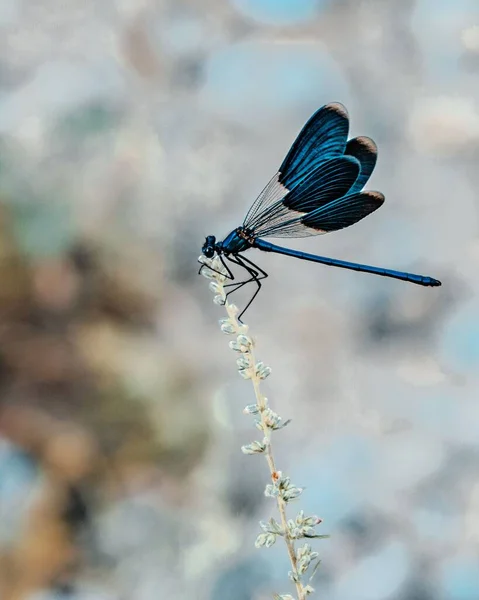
(317,189)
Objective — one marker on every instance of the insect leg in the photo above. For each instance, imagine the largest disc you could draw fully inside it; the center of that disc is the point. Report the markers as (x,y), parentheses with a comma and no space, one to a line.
(239,284)
(255,266)
(257,275)
(230,274)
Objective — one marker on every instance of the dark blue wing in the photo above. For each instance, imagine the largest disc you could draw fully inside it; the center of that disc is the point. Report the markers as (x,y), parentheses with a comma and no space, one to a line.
(343,212)
(324,136)
(331,180)
(317,188)
(366,152)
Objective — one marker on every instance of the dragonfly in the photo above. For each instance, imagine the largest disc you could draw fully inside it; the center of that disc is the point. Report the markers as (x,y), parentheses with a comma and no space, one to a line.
(317,189)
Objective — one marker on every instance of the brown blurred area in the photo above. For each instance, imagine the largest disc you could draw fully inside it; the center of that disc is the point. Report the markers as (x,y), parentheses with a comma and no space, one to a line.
(74,332)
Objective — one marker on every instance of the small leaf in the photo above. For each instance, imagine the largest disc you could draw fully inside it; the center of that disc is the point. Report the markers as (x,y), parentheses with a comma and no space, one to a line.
(281,425)
(242,362)
(262,371)
(271,491)
(293,577)
(245,373)
(265,539)
(291,493)
(271,526)
(254,448)
(315,568)
(260,540)
(312,521)
(244,341)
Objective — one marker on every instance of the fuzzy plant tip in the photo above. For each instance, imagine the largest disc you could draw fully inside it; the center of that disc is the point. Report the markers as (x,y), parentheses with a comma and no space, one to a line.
(303,559)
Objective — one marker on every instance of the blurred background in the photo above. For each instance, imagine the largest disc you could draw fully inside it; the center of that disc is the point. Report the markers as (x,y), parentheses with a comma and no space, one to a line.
(131,129)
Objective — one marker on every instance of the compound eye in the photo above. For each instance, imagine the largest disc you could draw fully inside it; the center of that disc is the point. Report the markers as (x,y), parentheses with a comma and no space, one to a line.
(209,252)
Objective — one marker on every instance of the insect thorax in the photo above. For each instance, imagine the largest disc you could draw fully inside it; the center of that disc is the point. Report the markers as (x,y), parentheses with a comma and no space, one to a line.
(238,240)
(246,235)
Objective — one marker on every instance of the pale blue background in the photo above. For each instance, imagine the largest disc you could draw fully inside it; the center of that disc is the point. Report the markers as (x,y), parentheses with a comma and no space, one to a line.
(140,127)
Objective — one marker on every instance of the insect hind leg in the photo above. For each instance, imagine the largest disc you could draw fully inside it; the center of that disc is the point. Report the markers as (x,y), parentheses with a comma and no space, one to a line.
(259,275)
(239,284)
(256,275)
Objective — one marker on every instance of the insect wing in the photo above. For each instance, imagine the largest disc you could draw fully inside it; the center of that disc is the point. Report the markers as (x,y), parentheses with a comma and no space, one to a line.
(330,181)
(366,152)
(323,136)
(343,212)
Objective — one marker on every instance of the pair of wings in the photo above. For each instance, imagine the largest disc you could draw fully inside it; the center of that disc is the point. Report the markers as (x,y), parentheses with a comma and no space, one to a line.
(318,186)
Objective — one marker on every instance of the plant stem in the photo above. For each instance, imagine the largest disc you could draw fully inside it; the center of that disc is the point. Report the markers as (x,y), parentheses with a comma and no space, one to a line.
(260,400)
(274,477)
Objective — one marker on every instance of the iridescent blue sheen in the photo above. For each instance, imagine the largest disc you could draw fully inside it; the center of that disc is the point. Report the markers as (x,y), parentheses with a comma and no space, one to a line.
(317,189)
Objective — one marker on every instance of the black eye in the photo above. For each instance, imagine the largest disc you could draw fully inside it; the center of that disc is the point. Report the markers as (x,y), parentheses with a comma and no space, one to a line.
(209,252)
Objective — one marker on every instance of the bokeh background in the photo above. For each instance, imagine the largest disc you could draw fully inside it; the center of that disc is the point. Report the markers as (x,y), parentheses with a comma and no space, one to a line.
(129,130)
